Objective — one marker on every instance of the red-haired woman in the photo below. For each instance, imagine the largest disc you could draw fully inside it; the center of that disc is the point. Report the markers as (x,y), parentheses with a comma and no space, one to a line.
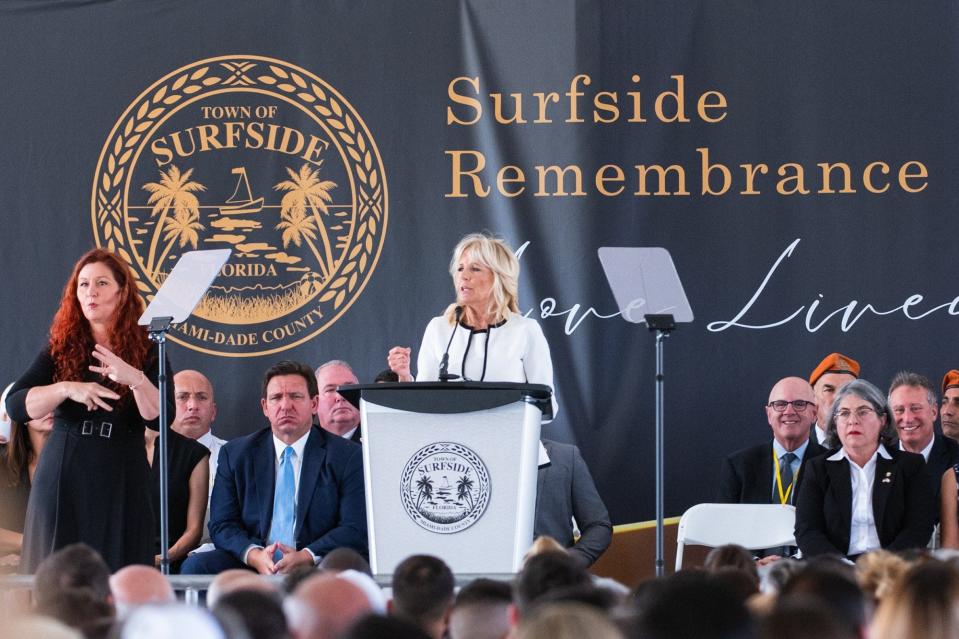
(97,374)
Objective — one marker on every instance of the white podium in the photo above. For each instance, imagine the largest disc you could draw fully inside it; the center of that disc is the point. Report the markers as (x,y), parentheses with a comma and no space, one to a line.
(450,471)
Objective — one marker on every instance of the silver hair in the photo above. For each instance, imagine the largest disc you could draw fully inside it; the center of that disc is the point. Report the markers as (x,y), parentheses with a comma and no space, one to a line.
(334,362)
(867,391)
(913,380)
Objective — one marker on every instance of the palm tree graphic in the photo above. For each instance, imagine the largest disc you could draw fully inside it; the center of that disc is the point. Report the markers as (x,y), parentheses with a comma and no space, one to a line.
(183,226)
(174,190)
(464,490)
(305,189)
(424,489)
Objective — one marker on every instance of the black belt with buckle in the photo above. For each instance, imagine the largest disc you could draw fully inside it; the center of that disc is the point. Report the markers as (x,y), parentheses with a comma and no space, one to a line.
(90,428)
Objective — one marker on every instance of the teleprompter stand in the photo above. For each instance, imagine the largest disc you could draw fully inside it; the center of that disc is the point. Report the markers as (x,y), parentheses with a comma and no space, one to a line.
(645,280)
(182,290)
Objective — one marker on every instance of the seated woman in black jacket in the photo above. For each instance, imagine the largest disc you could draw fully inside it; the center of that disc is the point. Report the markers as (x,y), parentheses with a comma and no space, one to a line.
(867,494)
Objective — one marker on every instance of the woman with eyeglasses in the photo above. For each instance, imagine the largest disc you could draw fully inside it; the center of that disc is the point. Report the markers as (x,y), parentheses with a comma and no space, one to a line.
(481,336)
(866,494)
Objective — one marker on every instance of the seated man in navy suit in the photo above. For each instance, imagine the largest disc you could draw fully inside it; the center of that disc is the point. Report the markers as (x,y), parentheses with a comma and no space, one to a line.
(286,495)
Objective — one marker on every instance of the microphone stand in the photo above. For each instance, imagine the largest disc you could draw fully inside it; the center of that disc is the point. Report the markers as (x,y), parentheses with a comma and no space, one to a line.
(663,325)
(445,362)
(157,331)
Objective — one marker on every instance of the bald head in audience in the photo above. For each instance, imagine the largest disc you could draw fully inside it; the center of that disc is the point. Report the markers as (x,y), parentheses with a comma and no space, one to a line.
(481,610)
(323,607)
(234,580)
(138,585)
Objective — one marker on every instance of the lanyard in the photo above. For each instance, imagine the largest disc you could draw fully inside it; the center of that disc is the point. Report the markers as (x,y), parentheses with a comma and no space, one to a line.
(783,496)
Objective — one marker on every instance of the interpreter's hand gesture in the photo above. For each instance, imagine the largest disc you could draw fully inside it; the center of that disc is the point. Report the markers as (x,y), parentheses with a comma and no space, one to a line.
(399,361)
(90,394)
(116,369)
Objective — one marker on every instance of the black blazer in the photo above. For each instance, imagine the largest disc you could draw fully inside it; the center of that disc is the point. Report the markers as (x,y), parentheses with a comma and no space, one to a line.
(902,506)
(747,476)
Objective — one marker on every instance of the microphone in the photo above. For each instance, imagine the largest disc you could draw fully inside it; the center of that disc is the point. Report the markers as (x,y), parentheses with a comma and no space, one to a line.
(445,362)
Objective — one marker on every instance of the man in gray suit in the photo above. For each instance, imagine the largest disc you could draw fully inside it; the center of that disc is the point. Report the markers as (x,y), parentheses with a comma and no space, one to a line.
(565,490)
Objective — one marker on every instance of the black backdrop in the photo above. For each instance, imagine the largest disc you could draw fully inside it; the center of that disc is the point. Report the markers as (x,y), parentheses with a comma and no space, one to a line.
(804,83)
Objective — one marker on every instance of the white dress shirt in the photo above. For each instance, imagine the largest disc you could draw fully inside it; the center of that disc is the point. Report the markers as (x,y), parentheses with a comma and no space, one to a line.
(297,460)
(214,444)
(863,536)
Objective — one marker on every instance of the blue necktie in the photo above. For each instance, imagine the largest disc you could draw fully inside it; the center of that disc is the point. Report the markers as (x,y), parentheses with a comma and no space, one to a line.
(284,503)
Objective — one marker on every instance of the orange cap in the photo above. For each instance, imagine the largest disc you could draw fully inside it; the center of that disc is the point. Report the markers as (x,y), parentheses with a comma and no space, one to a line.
(951,380)
(835,363)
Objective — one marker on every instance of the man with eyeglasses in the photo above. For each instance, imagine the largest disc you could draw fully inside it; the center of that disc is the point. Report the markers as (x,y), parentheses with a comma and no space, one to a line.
(949,412)
(832,372)
(771,472)
(912,399)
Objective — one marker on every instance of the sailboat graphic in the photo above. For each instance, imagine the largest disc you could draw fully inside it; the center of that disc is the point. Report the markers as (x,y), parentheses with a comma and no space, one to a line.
(242,199)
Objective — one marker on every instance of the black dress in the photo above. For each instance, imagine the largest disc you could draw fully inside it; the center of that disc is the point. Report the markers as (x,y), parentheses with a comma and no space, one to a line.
(92,483)
(183,454)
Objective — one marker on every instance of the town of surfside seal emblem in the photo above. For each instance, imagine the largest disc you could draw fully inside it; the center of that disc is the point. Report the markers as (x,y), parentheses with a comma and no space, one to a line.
(261,156)
(445,487)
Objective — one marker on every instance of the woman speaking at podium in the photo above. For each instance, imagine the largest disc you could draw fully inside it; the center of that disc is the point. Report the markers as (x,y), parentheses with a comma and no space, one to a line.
(97,374)
(481,336)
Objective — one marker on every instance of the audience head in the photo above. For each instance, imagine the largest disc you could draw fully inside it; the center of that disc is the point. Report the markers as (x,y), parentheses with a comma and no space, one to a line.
(481,610)
(692,604)
(423,593)
(76,568)
(778,573)
(790,425)
(378,627)
(195,405)
(855,396)
(949,412)
(544,573)
(341,559)
(135,586)
(234,580)
(567,621)
(334,413)
(374,594)
(834,587)
(543,543)
(386,376)
(912,399)
(259,613)
(831,373)
(803,617)
(38,627)
(170,621)
(323,607)
(732,556)
(878,571)
(72,586)
(924,603)
(289,400)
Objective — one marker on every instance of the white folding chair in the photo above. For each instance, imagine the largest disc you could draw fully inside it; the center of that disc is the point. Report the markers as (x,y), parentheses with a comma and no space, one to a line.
(752,526)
